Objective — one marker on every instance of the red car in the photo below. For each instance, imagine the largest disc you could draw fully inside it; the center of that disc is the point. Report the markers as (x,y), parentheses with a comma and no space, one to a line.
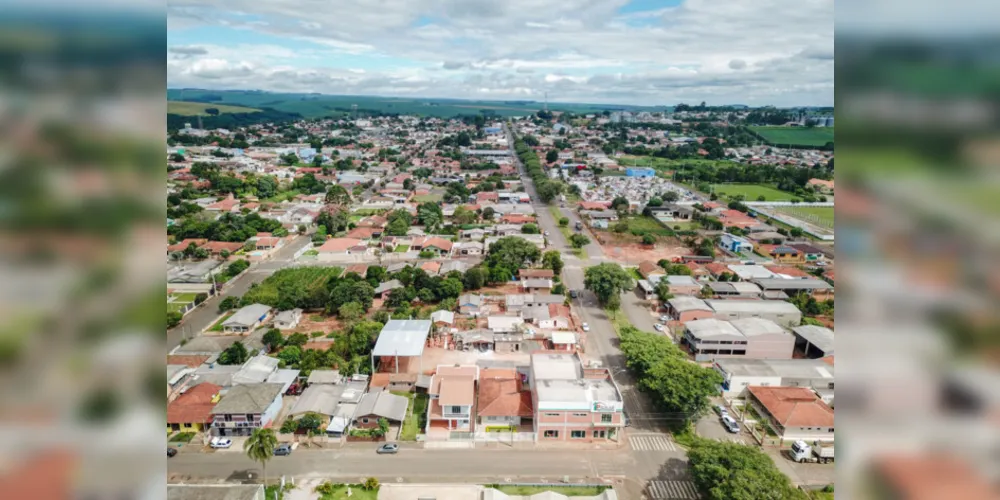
(294,390)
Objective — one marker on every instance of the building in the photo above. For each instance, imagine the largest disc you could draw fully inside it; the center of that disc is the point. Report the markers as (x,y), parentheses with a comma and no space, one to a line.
(792,413)
(504,324)
(573,403)
(244,408)
(734,289)
(682,285)
(813,341)
(452,395)
(400,338)
(286,320)
(246,319)
(735,244)
(639,172)
(504,401)
(817,288)
(470,304)
(685,309)
(191,411)
(753,338)
(738,374)
(651,271)
(787,255)
(378,405)
(782,313)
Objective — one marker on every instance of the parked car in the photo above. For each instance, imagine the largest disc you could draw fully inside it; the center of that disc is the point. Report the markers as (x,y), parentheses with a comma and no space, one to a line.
(721,410)
(171,452)
(294,390)
(586,327)
(283,449)
(546,233)
(388,448)
(730,424)
(664,318)
(658,327)
(573,294)
(221,442)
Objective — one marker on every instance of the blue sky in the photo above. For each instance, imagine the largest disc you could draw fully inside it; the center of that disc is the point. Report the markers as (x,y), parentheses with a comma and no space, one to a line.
(626,51)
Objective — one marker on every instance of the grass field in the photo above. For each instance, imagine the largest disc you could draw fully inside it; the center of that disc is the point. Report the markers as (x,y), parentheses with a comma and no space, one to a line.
(647,225)
(428,198)
(416,417)
(795,136)
(217,327)
(198,108)
(821,216)
(753,191)
(181,300)
(401,249)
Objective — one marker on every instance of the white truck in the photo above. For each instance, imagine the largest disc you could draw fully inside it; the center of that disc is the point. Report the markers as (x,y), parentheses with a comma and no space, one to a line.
(802,452)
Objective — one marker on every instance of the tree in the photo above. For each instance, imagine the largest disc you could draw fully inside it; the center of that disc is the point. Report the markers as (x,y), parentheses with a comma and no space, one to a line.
(259,447)
(228,303)
(291,355)
(297,339)
(732,471)
(552,260)
(512,253)
(273,339)
(346,291)
(176,158)
(563,221)
(578,240)
(371,484)
(235,354)
(530,229)
(620,227)
(474,278)
(663,291)
(671,196)
(289,159)
(463,215)
(488,213)
(620,204)
(648,239)
(430,215)
(338,195)
(655,202)
(606,280)
(552,156)
(351,311)
(212,111)
(795,232)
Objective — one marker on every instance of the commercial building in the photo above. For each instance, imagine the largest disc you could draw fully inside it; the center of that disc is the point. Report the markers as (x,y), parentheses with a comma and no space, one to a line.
(752,338)
(782,313)
(740,373)
(792,413)
(573,403)
(400,338)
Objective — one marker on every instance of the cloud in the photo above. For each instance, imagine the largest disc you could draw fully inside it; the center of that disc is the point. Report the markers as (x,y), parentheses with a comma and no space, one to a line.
(187,51)
(775,51)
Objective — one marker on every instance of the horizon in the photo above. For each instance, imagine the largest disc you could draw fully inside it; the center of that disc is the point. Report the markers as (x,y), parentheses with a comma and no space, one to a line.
(617,52)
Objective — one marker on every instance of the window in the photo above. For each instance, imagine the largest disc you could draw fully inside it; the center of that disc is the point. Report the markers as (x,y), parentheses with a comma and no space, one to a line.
(830,386)
(551,434)
(607,418)
(599,434)
(227,417)
(364,420)
(552,415)
(739,352)
(578,434)
(456,409)
(580,415)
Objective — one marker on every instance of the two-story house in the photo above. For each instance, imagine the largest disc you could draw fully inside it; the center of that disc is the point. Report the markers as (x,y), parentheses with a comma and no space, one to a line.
(452,394)
(244,408)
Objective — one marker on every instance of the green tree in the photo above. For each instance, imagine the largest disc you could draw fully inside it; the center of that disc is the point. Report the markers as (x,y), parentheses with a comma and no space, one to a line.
(655,202)
(463,215)
(511,252)
(351,311)
(297,339)
(174,318)
(291,355)
(552,260)
(338,195)
(228,303)
(449,288)
(236,354)
(563,221)
(474,278)
(671,197)
(530,229)
(259,447)
(551,156)
(346,291)
(578,240)
(724,470)
(648,239)
(488,213)
(273,339)
(620,227)
(620,203)
(663,291)
(606,280)
(430,215)
(795,232)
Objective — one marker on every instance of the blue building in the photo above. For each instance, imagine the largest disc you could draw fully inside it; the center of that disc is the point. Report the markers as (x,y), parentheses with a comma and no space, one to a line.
(492,130)
(639,172)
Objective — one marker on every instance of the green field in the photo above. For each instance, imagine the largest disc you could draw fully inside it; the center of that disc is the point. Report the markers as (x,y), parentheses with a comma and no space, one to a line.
(416,416)
(821,216)
(795,136)
(428,198)
(308,279)
(643,224)
(180,301)
(401,249)
(751,192)
(198,108)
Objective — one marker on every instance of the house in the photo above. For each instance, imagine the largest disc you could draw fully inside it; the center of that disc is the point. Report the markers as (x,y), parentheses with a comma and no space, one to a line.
(452,395)
(821,186)
(792,413)
(228,205)
(383,290)
(651,271)
(536,284)
(782,313)
(453,265)
(216,248)
(246,319)
(787,255)
(267,243)
(504,401)
(470,304)
(398,382)
(442,317)
(439,246)
(682,285)
(564,341)
(535,273)
(750,272)
(191,411)
(377,405)
(365,233)
(244,408)
(819,289)
(685,309)
(400,338)
(338,247)
(810,252)
(740,373)
(734,289)
(286,320)
(469,248)
(573,403)
(359,269)
(184,244)
(754,338)
(504,324)
(475,234)
(321,399)
(735,244)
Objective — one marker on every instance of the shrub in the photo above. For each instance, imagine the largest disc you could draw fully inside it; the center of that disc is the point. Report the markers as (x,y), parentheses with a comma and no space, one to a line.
(371,484)
(228,303)
(201,297)
(173,318)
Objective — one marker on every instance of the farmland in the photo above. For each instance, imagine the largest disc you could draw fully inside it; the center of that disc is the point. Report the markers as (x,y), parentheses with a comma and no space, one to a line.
(752,192)
(795,136)
(308,280)
(198,108)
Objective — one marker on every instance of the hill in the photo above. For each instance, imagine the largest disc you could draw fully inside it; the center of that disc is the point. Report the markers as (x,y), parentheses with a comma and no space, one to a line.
(188,108)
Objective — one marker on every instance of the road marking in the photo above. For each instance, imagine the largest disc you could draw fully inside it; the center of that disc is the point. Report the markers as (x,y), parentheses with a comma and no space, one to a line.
(651,443)
(663,490)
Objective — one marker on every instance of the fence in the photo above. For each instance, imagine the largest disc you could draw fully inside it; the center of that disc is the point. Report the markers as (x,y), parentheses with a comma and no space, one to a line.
(504,437)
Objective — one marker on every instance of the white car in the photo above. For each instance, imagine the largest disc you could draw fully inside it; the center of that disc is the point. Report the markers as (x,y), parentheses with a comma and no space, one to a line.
(730,424)
(221,442)
(546,233)
(658,327)
(664,318)
(586,327)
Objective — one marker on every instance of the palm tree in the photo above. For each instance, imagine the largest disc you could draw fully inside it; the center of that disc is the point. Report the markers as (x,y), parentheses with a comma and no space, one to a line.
(260,446)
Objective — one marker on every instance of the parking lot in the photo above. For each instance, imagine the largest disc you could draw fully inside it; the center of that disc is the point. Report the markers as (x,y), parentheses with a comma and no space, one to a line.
(710,426)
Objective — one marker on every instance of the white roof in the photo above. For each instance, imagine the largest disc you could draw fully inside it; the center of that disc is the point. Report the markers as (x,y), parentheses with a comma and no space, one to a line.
(753,306)
(819,336)
(684,303)
(711,328)
(752,327)
(680,280)
(563,338)
(444,316)
(402,337)
(751,272)
(494,322)
(248,316)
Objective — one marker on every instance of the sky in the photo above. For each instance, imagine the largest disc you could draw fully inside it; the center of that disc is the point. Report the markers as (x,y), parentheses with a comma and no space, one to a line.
(641,52)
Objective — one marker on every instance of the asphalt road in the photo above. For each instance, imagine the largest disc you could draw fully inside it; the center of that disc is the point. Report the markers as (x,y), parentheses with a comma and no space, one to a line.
(203,316)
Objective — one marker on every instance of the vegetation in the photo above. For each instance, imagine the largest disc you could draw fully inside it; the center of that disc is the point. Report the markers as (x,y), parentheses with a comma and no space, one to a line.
(607,281)
(260,446)
(185,108)
(376,432)
(304,287)
(416,416)
(235,354)
(724,470)
(230,227)
(337,491)
(578,240)
(753,192)
(796,136)
(182,437)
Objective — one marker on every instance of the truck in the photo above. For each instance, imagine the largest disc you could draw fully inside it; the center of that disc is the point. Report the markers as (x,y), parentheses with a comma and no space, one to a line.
(817,453)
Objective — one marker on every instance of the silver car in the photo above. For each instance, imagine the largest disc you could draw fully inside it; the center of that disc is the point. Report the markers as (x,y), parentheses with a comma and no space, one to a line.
(388,448)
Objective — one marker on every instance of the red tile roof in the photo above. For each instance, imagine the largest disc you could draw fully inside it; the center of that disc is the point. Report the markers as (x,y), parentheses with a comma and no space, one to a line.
(932,477)
(194,405)
(789,271)
(339,244)
(48,475)
(219,246)
(535,273)
(794,406)
(182,245)
(501,394)
(363,232)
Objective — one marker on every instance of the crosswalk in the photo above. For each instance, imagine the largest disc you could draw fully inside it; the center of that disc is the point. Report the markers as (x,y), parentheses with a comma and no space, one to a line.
(651,442)
(670,490)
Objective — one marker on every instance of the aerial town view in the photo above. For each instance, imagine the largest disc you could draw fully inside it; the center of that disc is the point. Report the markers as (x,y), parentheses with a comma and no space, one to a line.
(533,268)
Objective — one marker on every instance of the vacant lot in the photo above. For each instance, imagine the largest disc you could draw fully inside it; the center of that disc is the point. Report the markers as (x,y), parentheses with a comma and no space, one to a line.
(647,225)
(752,192)
(795,136)
(198,108)
(822,216)
(428,198)
(307,279)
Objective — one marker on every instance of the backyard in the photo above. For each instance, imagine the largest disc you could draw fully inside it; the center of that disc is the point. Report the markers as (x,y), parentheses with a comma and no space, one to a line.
(401,248)
(179,301)
(416,416)
(752,192)
(795,136)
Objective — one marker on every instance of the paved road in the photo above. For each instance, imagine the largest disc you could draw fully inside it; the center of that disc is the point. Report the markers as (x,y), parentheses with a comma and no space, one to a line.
(203,316)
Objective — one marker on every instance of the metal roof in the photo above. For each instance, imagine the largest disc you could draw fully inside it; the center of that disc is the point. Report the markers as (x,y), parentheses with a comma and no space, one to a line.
(818,336)
(402,337)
